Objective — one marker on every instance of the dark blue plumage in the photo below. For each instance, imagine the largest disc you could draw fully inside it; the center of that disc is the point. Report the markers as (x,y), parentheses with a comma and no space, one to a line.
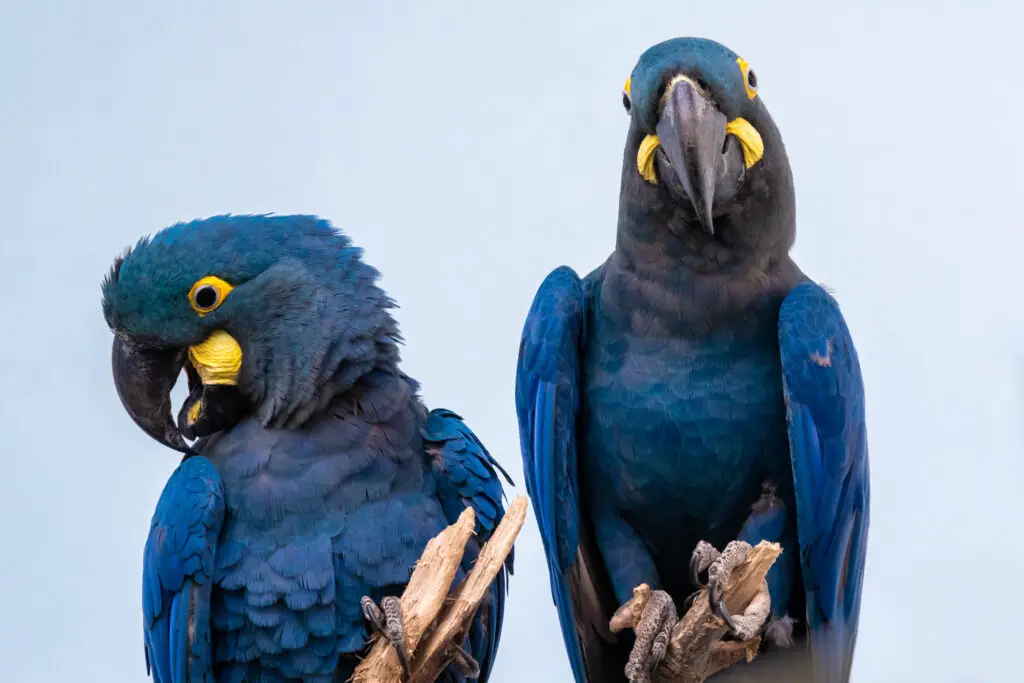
(547,400)
(178,564)
(324,490)
(696,386)
(466,476)
(828,444)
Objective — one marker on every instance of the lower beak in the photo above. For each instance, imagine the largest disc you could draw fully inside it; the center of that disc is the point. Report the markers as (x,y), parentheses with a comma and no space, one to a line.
(692,134)
(144,378)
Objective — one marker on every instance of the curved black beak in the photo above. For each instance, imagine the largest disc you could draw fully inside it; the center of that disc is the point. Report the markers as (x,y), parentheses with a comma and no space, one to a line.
(144,378)
(692,134)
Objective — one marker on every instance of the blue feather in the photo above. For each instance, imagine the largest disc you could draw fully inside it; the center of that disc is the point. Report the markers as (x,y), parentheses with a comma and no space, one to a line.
(177,574)
(546,406)
(467,475)
(828,446)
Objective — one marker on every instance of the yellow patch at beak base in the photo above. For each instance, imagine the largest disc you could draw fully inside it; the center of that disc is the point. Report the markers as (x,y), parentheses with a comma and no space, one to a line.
(217,359)
(193,411)
(750,140)
(645,158)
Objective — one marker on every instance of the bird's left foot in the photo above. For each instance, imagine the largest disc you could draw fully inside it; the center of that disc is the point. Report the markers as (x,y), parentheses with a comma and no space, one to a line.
(653,632)
(387,621)
(719,567)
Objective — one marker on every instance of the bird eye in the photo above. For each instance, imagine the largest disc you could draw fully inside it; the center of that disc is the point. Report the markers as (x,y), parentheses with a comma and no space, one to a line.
(627,94)
(749,78)
(625,101)
(206,297)
(207,294)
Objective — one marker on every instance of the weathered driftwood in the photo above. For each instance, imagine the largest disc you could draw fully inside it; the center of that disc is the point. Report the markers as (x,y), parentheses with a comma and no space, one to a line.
(696,651)
(433,620)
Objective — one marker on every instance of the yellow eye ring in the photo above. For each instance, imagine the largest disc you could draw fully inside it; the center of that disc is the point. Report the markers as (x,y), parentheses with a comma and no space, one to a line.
(208,293)
(749,78)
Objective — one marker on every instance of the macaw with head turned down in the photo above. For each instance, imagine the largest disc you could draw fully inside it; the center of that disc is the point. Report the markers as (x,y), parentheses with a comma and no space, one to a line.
(317,475)
(697,393)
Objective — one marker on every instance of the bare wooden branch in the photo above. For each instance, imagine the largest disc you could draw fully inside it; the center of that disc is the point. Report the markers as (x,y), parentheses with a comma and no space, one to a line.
(695,651)
(436,654)
(421,601)
(433,620)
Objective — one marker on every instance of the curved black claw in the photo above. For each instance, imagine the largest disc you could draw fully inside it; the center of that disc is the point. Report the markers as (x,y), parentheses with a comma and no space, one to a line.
(387,621)
(716,596)
(704,555)
(688,602)
(745,626)
(695,572)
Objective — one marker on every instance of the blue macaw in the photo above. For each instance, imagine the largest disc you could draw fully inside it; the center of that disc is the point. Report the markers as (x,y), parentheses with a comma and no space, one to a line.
(316,477)
(696,391)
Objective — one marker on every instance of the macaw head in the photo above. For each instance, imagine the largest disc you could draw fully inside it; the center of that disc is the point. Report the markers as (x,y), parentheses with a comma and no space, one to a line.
(702,141)
(269,317)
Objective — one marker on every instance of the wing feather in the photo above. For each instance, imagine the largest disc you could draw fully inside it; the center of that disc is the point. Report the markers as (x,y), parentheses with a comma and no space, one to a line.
(467,476)
(828,446)
(177,574)
(548,390)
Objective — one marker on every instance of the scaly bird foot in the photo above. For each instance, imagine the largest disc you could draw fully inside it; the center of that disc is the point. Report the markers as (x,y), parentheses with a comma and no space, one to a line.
(749,624)
(653,632)
(387,621)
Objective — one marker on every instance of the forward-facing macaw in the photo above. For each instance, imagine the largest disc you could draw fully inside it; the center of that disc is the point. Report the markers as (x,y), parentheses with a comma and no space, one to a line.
(696,388)
(318,476)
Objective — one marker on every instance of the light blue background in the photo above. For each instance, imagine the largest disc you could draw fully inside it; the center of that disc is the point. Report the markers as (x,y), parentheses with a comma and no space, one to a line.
(470,148)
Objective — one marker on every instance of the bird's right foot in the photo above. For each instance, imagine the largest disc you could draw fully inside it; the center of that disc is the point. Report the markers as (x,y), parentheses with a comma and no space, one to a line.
(653,632)
(719,566)
(387,621)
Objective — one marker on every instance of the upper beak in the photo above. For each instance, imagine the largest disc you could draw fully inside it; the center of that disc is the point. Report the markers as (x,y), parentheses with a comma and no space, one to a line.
(144,378)
(692,133)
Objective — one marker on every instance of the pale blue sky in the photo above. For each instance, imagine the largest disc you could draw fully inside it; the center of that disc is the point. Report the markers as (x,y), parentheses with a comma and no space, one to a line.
(470,148)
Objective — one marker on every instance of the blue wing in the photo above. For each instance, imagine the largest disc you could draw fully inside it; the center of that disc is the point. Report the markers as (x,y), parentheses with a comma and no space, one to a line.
(467,476)
(828,445)
(547,403)
(177,571)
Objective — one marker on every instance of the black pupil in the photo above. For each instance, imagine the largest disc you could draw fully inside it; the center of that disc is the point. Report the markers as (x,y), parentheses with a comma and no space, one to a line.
(752,79)
(206,297)
(625,101)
